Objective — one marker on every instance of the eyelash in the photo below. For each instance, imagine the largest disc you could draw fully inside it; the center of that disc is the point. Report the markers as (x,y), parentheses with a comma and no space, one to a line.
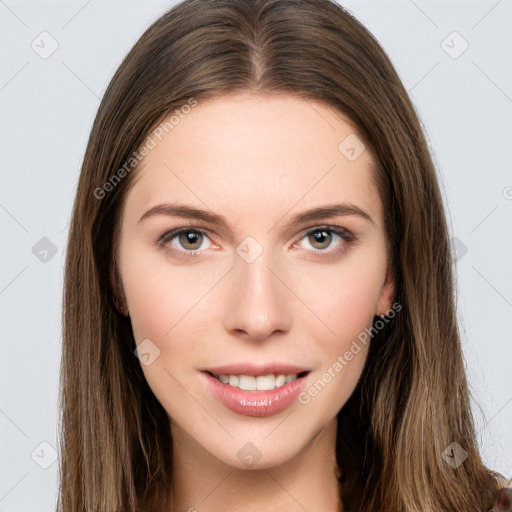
(343,233)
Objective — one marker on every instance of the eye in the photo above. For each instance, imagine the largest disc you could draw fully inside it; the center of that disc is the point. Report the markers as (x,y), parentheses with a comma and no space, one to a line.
(187,239)
(191,241)
(322,238)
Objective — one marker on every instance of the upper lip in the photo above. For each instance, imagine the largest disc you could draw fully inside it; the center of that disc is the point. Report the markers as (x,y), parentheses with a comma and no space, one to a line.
(256,369)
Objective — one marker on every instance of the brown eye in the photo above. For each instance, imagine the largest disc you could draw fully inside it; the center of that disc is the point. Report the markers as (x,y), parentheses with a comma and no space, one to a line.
(186,240)
(191,240)
(326,241)
(320,238)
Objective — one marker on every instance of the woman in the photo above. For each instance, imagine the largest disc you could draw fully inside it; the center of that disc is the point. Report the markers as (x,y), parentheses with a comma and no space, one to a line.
(259,304)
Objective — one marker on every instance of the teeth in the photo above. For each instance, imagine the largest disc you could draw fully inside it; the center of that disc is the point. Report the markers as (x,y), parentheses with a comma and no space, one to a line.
(280,380)
(247,382)
(260,383)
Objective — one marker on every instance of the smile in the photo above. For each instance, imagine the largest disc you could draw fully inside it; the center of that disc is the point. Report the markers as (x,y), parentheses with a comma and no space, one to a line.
(255,395)
(258,383)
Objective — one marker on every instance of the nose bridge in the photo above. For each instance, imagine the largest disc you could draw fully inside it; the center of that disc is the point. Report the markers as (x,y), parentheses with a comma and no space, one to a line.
(256,302)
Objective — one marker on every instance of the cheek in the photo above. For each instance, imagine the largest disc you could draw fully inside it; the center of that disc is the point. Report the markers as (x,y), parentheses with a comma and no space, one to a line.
(161,295)
(330,388)
(147,298)
(342,298)
(168,306)
(174,307)
(346,306)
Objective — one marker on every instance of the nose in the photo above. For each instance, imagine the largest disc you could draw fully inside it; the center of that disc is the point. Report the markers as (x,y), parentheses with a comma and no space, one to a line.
(257,302)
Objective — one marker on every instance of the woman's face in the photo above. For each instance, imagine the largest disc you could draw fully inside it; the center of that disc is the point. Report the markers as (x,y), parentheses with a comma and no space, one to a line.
(260,284)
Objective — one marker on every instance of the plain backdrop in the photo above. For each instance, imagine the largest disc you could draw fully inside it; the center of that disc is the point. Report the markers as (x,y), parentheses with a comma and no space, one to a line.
(455,59)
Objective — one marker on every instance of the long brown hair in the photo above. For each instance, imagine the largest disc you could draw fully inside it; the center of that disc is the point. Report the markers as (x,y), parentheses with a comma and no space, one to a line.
(412,400)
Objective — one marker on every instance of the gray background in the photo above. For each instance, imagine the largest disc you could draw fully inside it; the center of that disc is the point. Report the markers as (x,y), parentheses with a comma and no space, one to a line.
(464,99)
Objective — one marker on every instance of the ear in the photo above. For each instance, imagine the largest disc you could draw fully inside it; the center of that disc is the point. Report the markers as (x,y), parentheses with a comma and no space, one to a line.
(118,297)
(386,294)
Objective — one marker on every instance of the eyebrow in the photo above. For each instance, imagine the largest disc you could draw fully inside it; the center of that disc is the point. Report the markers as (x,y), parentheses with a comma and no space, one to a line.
(198,214)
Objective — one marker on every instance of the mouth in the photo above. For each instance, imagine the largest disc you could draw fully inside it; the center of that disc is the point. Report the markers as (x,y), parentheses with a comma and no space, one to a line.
(258,390)
(266,382)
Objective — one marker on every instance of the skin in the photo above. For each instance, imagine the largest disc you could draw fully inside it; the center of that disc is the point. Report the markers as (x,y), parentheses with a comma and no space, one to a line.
(257,160)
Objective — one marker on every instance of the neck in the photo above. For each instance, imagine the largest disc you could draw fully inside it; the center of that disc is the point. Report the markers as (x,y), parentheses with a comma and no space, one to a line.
(201,482)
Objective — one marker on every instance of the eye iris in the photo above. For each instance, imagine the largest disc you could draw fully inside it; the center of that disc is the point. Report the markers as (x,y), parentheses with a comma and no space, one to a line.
(320,236)
(190,237)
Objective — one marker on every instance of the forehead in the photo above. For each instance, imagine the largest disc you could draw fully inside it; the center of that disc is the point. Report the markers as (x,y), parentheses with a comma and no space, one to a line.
(243,152)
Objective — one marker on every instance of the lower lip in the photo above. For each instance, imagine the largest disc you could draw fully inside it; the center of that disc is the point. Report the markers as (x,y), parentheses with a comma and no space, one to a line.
(255,403)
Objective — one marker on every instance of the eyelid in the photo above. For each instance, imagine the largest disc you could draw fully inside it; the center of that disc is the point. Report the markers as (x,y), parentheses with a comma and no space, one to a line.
(345,234)
(347,239)
(172,233)
(336,229)
(339,230)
